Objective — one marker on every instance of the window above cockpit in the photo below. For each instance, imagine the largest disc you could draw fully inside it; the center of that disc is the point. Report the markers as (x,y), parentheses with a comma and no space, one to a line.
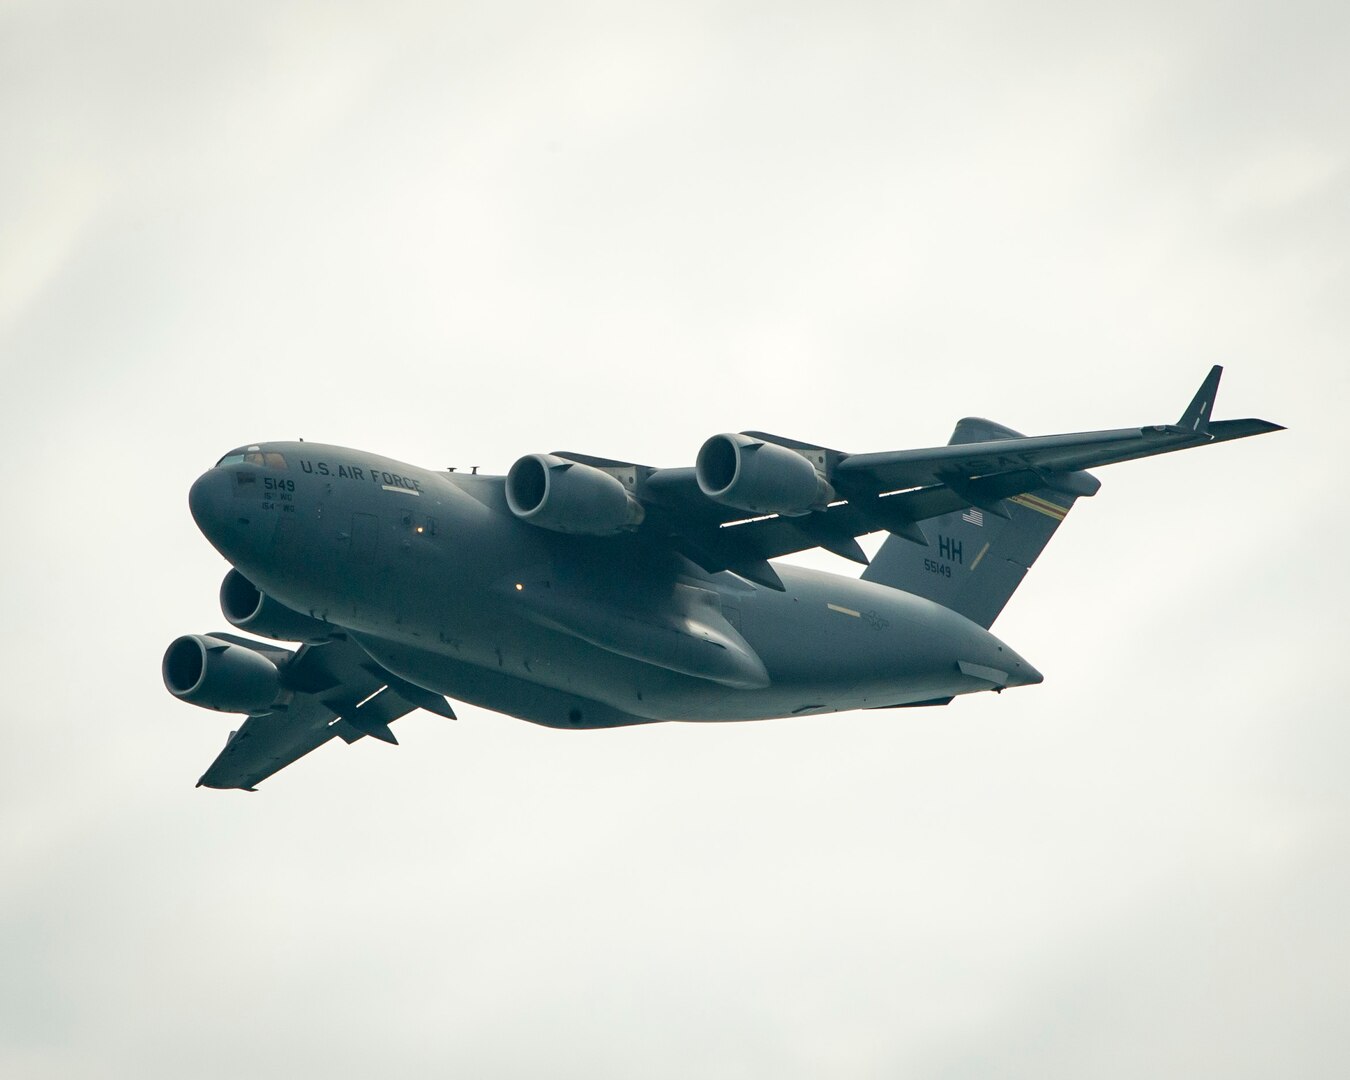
(252,455)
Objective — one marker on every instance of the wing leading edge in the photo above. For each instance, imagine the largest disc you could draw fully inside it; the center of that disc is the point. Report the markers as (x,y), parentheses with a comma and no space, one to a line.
(896,490)
(336,691)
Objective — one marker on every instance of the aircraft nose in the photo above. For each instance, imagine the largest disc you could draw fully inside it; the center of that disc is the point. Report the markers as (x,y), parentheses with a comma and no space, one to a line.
(228,507)
(208,500)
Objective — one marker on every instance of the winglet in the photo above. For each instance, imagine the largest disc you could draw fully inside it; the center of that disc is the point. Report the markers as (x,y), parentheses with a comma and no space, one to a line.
(1196,416)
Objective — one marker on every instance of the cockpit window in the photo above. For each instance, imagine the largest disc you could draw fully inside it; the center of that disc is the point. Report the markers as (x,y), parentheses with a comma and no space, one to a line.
(253,456)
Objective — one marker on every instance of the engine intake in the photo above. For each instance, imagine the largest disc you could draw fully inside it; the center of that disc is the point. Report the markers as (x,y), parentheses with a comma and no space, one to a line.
(762,477)
(220,675)
(249,608)
(568,497)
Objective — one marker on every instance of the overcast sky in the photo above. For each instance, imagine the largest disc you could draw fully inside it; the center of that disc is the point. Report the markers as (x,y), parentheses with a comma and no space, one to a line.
(458,233)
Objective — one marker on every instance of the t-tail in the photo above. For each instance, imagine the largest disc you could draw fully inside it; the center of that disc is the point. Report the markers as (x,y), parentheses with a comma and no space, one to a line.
(976,557)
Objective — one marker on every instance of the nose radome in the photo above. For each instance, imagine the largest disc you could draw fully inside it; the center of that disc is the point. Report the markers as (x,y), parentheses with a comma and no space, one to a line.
(207,500)
(237,526)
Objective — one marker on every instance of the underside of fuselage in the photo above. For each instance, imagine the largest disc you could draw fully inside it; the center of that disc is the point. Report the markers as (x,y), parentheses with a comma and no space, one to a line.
(828,644)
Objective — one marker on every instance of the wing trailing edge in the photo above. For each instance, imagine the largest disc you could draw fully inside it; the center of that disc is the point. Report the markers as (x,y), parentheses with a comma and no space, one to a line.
(983,466)
(336,691)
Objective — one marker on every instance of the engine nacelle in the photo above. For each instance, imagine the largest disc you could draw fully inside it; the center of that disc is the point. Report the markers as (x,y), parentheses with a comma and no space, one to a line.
(248,608)
(568,497)
(762,477)
(220,675)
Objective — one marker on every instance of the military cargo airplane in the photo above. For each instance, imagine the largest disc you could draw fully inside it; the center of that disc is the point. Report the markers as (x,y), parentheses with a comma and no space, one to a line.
(586,592)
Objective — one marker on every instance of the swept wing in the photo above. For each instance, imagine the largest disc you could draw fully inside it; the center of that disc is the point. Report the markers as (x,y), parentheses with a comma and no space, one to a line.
(896,490)
(336,691)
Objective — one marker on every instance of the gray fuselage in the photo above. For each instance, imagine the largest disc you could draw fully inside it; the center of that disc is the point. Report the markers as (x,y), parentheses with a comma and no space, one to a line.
(434,576)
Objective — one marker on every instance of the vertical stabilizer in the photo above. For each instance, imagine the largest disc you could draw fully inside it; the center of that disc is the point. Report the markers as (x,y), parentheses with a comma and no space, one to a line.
(976,558)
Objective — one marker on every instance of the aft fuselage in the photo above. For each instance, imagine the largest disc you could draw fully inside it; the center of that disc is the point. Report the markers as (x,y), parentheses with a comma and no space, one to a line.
(441,583)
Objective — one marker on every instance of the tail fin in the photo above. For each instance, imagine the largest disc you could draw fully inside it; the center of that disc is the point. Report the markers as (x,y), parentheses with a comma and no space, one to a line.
(980,556)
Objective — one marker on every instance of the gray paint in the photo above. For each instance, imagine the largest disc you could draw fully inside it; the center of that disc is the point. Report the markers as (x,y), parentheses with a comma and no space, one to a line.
(488,590)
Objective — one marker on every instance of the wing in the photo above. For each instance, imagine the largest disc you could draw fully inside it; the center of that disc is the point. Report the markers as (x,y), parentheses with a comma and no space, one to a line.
(336,691)
(896,490)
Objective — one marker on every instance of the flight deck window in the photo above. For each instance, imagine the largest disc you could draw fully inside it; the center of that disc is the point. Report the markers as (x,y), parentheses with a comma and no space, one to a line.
(270,459)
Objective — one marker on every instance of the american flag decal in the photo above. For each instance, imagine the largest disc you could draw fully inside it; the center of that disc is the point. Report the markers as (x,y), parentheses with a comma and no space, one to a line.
(975,517)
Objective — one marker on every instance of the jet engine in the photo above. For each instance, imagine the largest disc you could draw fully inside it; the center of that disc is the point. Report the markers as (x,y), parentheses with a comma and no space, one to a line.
(758,476)
(221,675)
(248,608)
(568,497)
